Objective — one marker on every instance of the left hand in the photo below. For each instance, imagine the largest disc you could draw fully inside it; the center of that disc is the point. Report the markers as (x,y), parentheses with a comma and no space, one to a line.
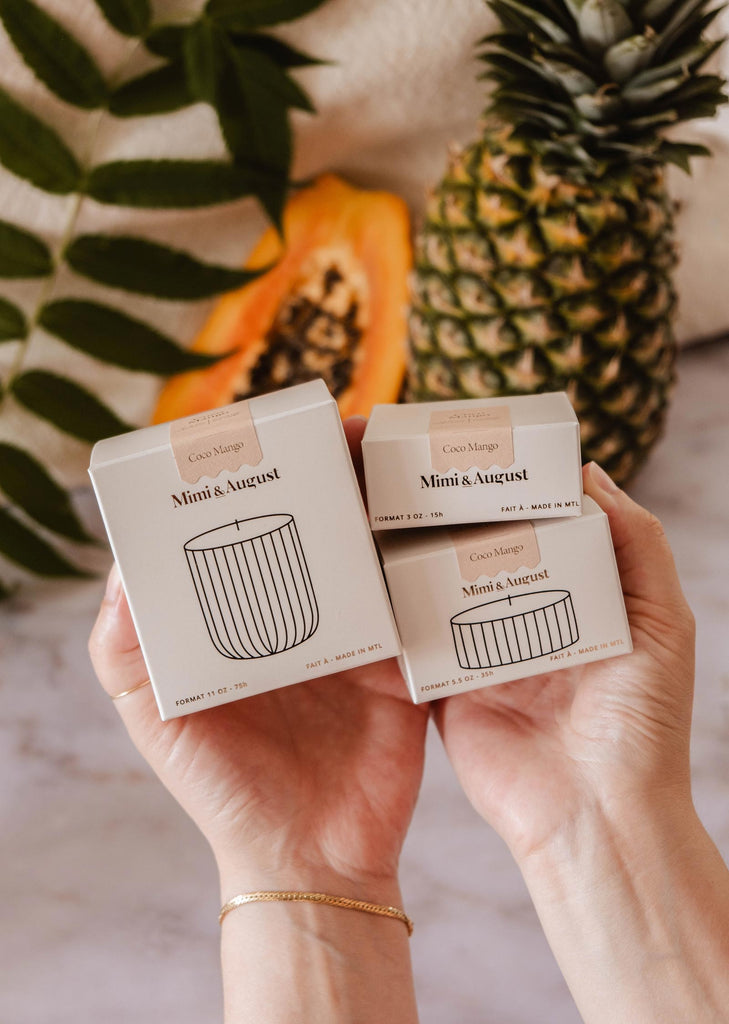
(311,786)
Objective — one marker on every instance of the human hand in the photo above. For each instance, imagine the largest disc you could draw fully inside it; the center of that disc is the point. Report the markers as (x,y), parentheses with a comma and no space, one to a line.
(311,786)
(537,754)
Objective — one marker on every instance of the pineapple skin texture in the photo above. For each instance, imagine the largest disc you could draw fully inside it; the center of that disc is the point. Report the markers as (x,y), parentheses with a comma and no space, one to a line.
(526,281)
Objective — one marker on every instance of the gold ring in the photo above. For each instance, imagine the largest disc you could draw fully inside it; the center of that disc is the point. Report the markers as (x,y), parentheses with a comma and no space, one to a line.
(133,689)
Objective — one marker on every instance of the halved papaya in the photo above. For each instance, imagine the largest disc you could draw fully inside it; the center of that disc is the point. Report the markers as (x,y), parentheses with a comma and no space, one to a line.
(332,306)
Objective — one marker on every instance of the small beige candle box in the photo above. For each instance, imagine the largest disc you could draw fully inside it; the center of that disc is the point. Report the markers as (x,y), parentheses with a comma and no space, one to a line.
(476,606)
(472,461)
(244,548)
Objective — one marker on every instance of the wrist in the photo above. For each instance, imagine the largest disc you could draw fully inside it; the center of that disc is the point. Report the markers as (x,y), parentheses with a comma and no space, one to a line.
(633,898)
(313,961)
(239,874)
(613,833)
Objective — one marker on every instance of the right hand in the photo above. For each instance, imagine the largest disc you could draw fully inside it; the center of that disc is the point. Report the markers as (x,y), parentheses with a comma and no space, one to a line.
(535,754)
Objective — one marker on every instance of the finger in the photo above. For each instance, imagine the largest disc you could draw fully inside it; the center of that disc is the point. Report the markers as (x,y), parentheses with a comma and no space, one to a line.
(114,649)
(354,429)
(645,562)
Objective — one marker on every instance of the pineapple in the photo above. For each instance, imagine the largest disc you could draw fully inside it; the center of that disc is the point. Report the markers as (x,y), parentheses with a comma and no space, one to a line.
(545,259)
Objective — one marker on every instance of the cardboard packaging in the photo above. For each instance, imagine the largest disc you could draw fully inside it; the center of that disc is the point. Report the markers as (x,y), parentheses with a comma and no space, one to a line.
(244,549)
(476,606)
(472,461)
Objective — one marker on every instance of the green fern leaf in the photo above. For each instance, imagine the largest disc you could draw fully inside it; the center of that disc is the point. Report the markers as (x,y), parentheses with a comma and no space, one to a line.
(29,486)
(204,55)
(253,63)
(253,119)
(167,41)
(239,127)
(22,254)
(13,325)
(157,92)
(284,55)
(32,150)
(59,61)
(130,17)
(66,405)
(25,548)
(171,184)
(244,15)
(148,268)
(114,337)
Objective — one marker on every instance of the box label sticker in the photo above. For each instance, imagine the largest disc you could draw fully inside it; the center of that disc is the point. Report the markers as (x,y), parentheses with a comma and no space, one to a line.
(466,438)
(498,547)
(220,439)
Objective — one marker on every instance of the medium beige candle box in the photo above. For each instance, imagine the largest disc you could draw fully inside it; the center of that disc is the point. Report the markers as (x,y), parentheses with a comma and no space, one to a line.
(244,549)
(472,461)
(476,606)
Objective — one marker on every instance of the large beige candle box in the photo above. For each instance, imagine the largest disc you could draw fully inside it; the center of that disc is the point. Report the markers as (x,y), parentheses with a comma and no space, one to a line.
(472,461)
(244,548)
(476,606)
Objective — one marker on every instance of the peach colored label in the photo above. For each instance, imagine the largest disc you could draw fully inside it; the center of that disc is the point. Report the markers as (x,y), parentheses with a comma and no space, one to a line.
(498,547)
(465,438)
(221,439)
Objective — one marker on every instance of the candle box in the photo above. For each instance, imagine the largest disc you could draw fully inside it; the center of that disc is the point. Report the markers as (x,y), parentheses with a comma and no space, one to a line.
(244,549)
(480,605)
(472,461)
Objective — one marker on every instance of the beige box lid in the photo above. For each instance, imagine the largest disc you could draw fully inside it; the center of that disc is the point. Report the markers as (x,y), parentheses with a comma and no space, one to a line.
(300,398)
(391,422)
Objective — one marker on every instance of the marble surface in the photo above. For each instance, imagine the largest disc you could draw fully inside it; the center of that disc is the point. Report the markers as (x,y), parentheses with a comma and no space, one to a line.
(109,894)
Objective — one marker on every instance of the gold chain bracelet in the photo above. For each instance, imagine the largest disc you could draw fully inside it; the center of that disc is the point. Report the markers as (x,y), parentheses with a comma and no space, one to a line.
(316,897)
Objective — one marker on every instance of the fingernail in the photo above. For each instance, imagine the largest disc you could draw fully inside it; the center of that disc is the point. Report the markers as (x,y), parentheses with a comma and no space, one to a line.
(601,479)
(113,585)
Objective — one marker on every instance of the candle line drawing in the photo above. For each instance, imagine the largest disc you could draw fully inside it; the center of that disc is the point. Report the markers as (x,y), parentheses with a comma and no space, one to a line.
(514,629)
(253,586)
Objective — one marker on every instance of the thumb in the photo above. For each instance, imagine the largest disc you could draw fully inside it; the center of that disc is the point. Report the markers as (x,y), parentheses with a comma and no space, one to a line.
(118,660)
(647,570)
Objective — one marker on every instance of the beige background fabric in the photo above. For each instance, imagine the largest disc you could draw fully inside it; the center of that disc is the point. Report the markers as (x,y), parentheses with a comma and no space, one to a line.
(403,84)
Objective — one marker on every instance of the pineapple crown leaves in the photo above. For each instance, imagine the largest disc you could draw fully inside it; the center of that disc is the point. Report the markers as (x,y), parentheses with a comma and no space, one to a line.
(223,58)
(596,83)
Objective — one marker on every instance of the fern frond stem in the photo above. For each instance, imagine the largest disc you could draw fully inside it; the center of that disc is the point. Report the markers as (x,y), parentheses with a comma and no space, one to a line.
(49,284)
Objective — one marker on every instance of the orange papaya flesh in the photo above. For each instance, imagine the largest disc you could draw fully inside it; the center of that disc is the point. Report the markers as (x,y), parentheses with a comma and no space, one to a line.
(333,305)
